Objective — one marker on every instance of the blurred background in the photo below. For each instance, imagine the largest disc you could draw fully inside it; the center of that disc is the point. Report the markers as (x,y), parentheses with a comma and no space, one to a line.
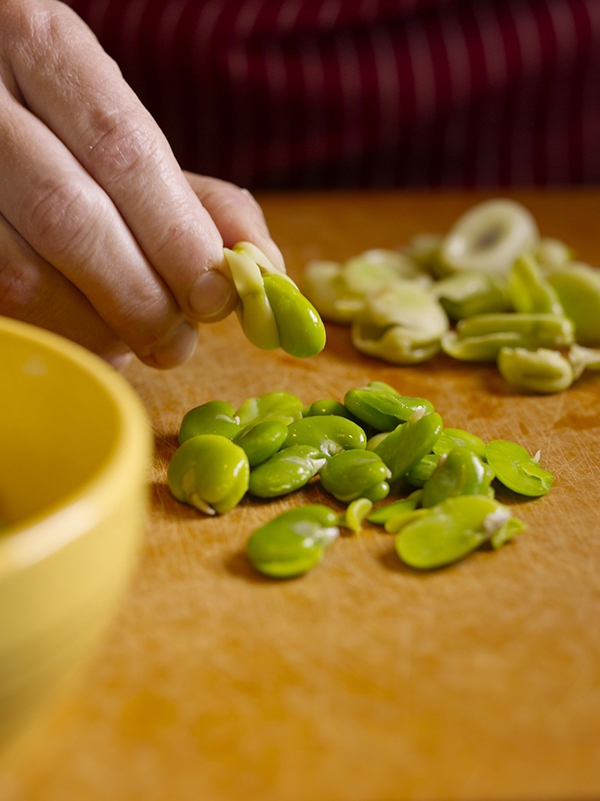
(274,94)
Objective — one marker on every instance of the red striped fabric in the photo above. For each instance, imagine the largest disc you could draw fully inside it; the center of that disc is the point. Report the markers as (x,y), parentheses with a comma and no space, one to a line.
(339,93)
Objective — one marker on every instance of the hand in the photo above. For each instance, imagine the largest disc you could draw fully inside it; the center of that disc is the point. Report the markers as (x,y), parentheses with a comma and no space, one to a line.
(103,238)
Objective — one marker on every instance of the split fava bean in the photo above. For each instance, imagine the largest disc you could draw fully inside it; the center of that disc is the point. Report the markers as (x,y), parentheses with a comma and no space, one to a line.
(294,542)
(288,470)
(451,530)
(280,406)
(356,474)
(328,434)
(381,410)
(355,514)
(210,473)
(409,443)
(544,371)
(516,469)
(262,440)
(456,437)
(214,417)
(381,516)
(529,290)
(461,472)
(301,330)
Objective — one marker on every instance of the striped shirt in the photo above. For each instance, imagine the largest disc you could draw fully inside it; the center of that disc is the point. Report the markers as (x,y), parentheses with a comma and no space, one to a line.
(365,93)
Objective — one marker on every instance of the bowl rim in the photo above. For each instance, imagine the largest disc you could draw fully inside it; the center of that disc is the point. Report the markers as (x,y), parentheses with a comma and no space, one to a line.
(36,537)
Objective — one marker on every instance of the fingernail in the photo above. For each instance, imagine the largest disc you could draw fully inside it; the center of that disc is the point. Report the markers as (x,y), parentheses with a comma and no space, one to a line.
(270,249)
(121,361)
(210,294)
(176,350)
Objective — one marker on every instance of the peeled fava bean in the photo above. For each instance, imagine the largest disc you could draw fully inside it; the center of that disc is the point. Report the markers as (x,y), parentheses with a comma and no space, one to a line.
(457,438)
(460,472)
(381,516)
(262,440)
(210,473)
(214,417)
(422,471)
(489,238)
(280,406)
(326,406)
(328,434)
(355,514)
(516,469)
(452,530)
(578,289)
(542,370)
(294,542)
(288,470)
(301,330)
(382,410)
(409,443)
(356,474)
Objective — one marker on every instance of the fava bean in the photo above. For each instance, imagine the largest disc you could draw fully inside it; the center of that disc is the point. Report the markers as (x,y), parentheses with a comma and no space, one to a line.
(422,471)
(516,469)
(409,443)
(529,291)
(539,370)
(461,472)
(468,293)
(356,474)
(280,406)
(262,440)
(381,516)
(210,473)
(294,542)
(578,289)
(214,417)
(381,410)
(328,434)
(456,437)
(288,470)
(582,359)
(301,330)
(325,407)
(355,514)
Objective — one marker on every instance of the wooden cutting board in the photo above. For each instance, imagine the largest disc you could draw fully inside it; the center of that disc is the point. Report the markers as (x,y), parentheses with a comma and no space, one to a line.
(364,680)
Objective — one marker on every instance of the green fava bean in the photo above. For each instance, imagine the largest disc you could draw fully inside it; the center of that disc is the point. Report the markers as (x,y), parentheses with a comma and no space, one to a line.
(261,441)
(356,474)
(280,406)
(210,473)
(457,438)
(286,471)
(529,290)
(327,406)
(301,330)
(516,469)
(381,516)
(460,472)
(328,434)
(382,410)
(374,441)
(214,417)
(450,531)
(409,443)
(422,470)
(578,289)
(294,542)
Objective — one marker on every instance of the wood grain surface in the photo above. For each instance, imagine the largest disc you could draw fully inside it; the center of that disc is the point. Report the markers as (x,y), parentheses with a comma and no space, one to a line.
(364,680)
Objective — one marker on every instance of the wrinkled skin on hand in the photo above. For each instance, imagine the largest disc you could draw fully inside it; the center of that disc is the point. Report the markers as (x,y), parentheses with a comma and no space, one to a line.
(103,238)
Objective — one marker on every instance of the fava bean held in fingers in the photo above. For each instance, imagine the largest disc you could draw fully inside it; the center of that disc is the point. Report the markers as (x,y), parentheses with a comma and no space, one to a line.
(381,410)
(294,542)
(408,444)
(254,310)
(457,438)
(356,474)
(288,470)
(328,434)
(355,514)
(214,417)
(541,370)
(301,330)
(529,291)
(450,531)
(210,473)
(516,469)
(462,472)
(261,441)
(489,237)
(381,516)
(280,406)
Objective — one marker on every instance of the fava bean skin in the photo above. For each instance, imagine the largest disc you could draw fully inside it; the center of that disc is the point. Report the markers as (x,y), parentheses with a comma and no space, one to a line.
(286,471)
(294,542)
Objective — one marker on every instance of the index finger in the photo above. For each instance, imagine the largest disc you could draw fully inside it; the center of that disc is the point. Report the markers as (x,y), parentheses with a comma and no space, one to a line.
(77,90)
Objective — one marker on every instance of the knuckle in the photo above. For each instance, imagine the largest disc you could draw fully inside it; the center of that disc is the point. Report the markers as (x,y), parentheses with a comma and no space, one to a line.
(20,285)
(148,319)
(60,217)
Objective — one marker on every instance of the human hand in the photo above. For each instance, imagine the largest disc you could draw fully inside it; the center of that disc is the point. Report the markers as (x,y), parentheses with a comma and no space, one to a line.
(103,238)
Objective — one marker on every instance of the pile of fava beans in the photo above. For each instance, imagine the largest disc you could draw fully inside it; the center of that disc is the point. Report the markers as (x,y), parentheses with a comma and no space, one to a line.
(375,444)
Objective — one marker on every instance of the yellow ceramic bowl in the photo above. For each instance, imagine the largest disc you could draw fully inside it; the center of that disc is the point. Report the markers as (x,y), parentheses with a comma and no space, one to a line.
(74,452)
